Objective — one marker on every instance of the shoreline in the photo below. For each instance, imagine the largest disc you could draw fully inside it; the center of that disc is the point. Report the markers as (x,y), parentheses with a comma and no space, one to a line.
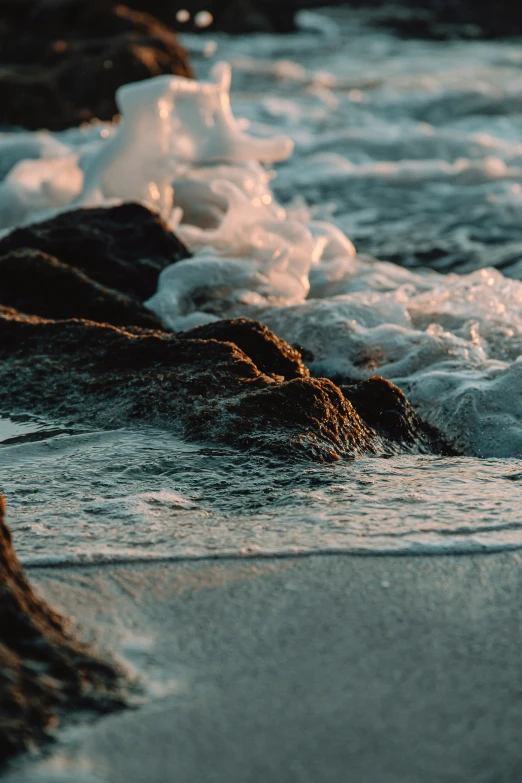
(104,561)
(392,668)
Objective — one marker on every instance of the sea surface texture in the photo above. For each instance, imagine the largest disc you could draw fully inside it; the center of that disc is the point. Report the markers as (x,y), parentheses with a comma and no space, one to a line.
(361,195)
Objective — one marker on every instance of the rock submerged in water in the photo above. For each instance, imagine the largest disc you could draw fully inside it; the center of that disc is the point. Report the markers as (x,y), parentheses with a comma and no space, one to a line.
(61,61)
(44,669)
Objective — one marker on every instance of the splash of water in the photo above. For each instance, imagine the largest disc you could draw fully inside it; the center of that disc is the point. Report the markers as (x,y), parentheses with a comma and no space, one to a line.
(451,341)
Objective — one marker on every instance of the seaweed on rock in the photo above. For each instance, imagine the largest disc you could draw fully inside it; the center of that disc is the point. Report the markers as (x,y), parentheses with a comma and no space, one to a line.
(44,669)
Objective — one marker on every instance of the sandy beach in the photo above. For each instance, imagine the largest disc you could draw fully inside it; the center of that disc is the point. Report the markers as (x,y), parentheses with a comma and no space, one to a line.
(370,669)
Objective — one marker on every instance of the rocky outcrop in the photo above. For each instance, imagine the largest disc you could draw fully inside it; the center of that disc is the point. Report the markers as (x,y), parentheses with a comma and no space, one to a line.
(123,248)
(203,387)
(269,353)
(61,61)
(44,669)
(384,407)
(77,342)
(34,282)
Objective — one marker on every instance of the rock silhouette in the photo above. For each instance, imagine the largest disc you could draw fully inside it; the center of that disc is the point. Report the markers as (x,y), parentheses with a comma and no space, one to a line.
(34,282)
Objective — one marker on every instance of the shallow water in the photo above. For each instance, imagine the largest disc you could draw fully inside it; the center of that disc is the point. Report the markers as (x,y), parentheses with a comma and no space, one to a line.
(412,151)
(144,494)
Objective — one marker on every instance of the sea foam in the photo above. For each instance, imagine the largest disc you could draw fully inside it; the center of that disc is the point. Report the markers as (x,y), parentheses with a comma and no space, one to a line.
(451,341)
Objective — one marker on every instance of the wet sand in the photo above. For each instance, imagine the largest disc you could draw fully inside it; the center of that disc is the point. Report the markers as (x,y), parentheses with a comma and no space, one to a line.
(323,669)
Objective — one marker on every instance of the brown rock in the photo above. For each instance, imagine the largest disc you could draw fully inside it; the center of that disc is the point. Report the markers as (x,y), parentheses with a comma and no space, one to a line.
(269,353)
(204,388)
(232,380)
(44,669)
(384,407)
(61,61)
(34,282)
(123,248)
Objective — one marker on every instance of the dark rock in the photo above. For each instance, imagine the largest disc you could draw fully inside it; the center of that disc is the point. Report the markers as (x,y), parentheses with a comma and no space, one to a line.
(61,61)
(44,669)
(306,354)
(322,421)
(123,248)
(230,16)
(34,282)
(102,375)
(269,353)
(231,380)
(384,407)
(443,19)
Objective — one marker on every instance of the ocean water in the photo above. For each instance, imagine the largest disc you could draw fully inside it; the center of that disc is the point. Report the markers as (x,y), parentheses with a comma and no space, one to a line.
(362,196)
(145,495)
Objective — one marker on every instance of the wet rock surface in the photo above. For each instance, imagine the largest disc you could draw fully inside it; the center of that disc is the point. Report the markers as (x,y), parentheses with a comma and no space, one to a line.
(77,342)
(44,669)
(34,282)
(124,247)
(103,375)
(100,375)
(270,354)
(61,61)
(384,407)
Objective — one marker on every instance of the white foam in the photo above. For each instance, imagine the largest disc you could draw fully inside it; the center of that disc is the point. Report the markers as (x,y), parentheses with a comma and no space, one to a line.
(395,139)
(168,123)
